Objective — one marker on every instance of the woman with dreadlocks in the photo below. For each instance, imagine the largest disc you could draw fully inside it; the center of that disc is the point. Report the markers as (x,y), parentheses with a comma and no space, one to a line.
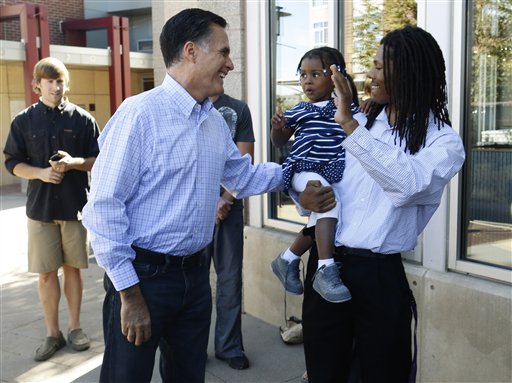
(398,162)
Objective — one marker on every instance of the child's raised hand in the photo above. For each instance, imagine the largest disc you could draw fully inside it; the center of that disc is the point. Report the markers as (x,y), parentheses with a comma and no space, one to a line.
(279,134)
(278,121)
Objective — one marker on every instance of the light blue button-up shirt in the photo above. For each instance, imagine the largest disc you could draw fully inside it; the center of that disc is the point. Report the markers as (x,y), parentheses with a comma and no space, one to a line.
(156,180)
(387,195)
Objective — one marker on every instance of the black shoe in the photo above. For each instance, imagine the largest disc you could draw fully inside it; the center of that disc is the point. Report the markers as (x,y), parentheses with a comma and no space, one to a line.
(236,362)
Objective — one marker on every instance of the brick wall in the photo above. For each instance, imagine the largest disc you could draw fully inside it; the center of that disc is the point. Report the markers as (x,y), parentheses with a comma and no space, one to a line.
(57,10)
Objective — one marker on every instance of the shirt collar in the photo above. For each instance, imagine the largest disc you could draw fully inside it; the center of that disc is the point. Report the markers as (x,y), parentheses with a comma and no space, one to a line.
(383,116)
(62,106)
(186,103)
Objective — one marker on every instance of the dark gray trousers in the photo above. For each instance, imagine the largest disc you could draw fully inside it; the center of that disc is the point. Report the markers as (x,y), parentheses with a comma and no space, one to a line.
(226,251)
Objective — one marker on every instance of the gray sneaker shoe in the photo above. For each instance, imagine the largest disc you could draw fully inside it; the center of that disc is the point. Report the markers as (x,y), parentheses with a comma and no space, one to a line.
(288,274)
(328,284)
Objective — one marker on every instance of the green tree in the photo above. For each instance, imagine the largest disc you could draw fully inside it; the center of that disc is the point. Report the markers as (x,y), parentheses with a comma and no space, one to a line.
(376,19)
(398,13)
(367,34)
(492,43)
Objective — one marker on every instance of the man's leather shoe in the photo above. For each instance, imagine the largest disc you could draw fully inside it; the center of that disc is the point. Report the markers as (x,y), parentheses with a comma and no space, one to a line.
(236,362)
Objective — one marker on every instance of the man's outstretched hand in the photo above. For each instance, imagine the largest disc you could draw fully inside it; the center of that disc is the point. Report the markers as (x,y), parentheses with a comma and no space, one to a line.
(317,198)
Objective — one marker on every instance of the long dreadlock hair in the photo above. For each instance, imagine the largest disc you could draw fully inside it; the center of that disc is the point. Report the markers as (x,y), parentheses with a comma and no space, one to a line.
(414,76)
(327,57)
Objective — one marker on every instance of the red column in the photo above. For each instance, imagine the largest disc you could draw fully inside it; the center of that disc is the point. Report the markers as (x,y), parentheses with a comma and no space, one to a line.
(125,59)
(115,75)
(33,23)
(119,70)
(44,31)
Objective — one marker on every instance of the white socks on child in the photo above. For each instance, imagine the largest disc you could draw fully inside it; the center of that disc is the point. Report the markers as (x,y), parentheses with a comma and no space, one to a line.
(325,262)
(289,256)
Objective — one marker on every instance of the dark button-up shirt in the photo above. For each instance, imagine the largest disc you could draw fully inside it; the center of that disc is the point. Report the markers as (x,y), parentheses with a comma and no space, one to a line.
(40,131)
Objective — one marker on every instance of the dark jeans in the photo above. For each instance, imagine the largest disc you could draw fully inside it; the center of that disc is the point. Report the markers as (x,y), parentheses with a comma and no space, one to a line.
(373,328)
(180,305)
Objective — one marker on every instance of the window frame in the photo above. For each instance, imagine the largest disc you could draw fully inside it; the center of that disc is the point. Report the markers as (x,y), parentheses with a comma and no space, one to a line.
(460,105)
(440,245)
(142,43)
(320,31)
(270,215)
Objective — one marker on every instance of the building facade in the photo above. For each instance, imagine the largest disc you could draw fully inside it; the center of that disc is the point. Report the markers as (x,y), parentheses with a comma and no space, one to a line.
(93,82)
(461,269)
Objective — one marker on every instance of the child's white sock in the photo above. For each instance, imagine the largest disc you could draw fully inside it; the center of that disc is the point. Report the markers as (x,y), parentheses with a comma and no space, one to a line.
(289,256)
(325,262)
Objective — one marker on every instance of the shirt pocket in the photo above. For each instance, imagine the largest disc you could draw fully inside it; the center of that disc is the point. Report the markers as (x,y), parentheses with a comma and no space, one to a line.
(70,142)
(37,142)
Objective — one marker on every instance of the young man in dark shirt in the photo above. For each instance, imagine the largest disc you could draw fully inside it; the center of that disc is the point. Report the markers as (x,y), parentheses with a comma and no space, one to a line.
(53,144)
(227,247)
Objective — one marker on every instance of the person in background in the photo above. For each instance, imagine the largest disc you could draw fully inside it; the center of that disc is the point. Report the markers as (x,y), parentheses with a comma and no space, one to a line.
(53,144)
(398,161)
(316,154)
(227,248)
(153,201)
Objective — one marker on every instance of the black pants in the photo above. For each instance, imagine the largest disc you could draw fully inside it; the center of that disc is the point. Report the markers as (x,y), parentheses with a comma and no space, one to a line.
(374,328)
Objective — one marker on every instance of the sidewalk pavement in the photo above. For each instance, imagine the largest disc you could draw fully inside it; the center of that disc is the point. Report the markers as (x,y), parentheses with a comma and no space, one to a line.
(23,329)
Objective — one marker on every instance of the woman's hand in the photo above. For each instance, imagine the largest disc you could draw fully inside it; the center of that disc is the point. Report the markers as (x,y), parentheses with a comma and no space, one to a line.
(367,105)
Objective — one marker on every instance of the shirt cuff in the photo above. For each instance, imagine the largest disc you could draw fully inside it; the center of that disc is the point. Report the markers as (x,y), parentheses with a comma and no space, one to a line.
(360,139)
(123,276)
(295,198)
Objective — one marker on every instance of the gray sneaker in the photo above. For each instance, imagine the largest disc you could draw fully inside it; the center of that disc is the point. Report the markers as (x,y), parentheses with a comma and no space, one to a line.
(328,284)
(288,274)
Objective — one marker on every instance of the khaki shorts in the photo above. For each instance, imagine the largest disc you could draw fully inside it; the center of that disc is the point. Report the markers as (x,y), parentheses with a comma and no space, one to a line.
(56,243)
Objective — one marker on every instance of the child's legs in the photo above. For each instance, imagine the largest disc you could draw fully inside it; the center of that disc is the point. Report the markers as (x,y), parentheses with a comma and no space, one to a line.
(301,244)
(324,232)
(325,222)
(299,182)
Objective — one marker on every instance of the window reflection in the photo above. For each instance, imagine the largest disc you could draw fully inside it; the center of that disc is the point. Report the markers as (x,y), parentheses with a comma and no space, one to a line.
(300,26)
(303,25)
(488,171)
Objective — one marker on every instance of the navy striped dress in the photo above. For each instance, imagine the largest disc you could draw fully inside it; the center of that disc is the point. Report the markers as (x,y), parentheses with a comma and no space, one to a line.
(317,147)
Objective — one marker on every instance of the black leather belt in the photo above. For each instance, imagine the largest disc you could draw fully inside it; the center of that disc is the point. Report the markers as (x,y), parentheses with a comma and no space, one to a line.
(169,260)
(344,250)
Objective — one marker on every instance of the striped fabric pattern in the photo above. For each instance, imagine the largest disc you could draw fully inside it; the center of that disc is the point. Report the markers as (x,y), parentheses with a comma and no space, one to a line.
(317,146)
